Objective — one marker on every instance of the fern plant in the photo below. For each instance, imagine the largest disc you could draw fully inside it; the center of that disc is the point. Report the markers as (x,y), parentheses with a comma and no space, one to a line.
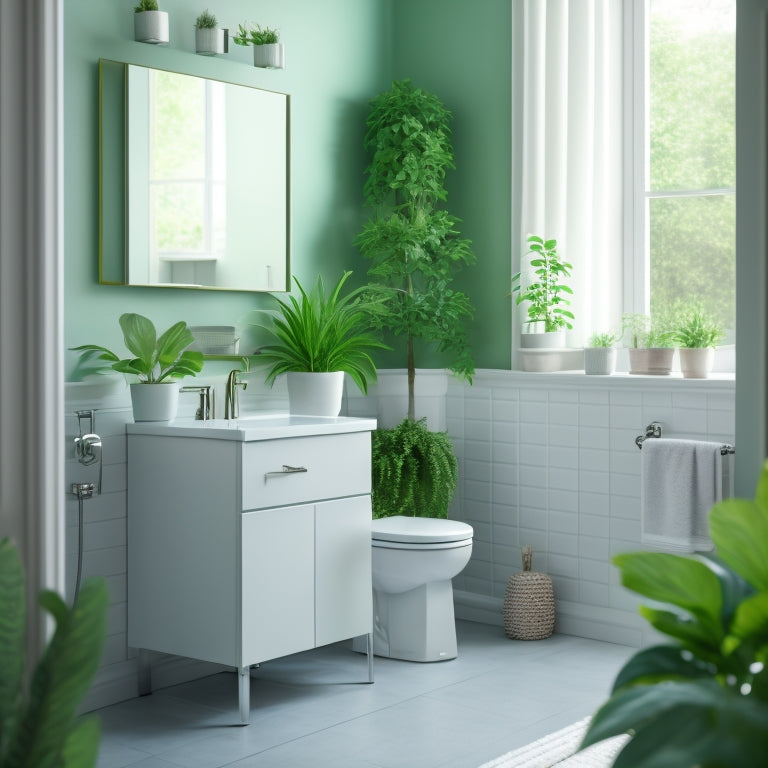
(255,34)
(414,471)
(321,332)
(206,20)
(146,5)
(39,729)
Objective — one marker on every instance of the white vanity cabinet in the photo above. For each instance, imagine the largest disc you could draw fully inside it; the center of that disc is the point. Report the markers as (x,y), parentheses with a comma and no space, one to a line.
(247,542)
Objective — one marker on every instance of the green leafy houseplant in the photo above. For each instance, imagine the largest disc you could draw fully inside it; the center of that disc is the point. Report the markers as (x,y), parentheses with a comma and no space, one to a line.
(39,727)
(546,304)
(255,34)
(146,5)
(413,469)
(206,20)
(321,331)
(155,359)
(697,330)
(602,340)
(414,245)
(702,698)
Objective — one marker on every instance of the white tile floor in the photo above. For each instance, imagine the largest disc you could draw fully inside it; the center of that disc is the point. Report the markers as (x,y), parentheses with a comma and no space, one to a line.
(312,709)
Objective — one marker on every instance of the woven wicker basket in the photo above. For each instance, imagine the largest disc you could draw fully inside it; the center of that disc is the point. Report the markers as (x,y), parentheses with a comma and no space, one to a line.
(529,604)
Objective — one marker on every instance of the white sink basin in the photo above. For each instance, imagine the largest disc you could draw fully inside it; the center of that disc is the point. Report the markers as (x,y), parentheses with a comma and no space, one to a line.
(266,426)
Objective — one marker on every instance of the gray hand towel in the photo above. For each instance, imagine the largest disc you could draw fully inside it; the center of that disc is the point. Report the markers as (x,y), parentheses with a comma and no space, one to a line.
(681,480)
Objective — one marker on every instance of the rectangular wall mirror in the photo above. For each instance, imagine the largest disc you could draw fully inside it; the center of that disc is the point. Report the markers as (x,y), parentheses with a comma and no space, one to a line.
(194,181)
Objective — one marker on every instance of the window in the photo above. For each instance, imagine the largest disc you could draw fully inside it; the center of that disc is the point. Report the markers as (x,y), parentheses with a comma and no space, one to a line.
(682,196)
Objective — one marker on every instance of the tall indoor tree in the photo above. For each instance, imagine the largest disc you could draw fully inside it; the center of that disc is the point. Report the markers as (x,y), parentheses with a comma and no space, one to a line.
(415,248)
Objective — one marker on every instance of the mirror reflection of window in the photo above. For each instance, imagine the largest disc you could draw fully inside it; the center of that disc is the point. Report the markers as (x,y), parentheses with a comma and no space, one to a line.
(187,178)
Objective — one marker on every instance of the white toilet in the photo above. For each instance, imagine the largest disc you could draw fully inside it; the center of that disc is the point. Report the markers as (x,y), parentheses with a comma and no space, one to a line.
(414,560)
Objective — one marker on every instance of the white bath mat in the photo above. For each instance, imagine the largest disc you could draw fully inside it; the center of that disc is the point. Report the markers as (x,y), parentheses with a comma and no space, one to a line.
(559,749)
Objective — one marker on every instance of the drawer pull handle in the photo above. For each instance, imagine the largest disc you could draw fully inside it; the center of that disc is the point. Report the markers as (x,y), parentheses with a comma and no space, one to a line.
(286,470)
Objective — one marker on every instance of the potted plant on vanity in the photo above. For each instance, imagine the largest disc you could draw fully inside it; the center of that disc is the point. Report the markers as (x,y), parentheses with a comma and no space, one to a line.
(150,24)
(319,337)
(158,362)
(415,247)
(268,51)
(651,345)
(209,39)
(697,334)
(600,355)
(547,313)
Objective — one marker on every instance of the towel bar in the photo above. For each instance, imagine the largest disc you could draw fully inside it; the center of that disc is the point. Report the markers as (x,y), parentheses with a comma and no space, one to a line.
(653,430)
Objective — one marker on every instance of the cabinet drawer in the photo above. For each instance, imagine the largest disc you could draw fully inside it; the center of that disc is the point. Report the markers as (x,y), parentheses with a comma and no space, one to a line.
(336,466)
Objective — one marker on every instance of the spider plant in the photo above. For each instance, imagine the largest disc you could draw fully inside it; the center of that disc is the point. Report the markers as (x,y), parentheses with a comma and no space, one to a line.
(321,331)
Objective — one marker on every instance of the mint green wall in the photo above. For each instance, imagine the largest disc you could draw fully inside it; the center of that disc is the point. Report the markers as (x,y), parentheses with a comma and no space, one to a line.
(461,51)
(337,56)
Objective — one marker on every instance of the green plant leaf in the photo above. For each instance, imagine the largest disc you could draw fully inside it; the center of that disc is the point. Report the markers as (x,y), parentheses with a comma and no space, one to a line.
(81,748)
(681,581)
(12,633)
(140,339)
(61,677)
(739,529)
(660,662)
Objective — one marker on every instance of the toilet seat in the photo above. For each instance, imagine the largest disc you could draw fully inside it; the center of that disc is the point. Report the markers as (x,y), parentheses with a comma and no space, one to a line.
(401,532)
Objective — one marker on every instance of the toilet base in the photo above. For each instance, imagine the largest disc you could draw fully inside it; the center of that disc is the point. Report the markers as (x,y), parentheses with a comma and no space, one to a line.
(418,625)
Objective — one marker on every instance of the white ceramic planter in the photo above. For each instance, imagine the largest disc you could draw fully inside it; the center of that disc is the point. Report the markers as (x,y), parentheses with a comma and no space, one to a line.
(271,55)
(696,363)
(552,340)
(151,27)
(599,361)
(315,394)
(155,402)
(210,42)
(651,361)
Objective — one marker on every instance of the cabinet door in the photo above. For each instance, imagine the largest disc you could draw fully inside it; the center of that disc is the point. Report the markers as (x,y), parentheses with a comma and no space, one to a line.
(343,569)
(278,582)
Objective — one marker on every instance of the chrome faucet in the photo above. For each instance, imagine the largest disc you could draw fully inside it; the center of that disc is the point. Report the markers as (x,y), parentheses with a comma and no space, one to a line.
(207,407)
(231,400)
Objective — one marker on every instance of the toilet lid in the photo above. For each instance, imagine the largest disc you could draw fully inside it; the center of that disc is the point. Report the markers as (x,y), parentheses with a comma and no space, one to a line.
(419,530)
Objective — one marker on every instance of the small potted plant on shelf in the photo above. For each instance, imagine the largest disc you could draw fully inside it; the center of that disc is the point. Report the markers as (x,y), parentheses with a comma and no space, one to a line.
(156,361)
(651,345)
(319,336)
(697,334)
(209,39)
(547,314)
(268,51)
(600,355)
(150,25)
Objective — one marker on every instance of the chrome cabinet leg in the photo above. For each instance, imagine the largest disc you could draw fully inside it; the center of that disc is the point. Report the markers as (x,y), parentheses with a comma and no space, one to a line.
(244,693)
(144,670)
(369,653)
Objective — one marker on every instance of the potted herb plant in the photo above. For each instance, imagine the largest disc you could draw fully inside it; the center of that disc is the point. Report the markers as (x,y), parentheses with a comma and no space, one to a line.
(547,313)
(319,336)
(150,25)
(697,334)
(40,722)
(209,40)
(651,345)
(701,697)
(268,51)
(415,247)
(156,361)
(600,355)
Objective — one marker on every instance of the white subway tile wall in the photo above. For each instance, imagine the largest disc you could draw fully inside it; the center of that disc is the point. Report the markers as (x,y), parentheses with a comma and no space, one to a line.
(546,460)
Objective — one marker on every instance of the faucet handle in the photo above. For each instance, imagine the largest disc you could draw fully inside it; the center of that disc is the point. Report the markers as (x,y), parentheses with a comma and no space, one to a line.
(207,408)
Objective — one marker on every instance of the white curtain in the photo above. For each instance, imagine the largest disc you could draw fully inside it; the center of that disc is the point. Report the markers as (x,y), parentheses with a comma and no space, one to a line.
(567,147)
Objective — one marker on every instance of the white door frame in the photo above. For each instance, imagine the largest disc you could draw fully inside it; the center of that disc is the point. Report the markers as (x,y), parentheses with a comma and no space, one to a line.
(31,297)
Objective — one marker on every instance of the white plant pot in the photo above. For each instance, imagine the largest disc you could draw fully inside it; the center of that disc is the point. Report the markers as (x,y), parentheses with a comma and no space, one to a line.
(651,361)
(210,42)
(552,340)
(543,360)
(155,402)
(599,361)
(696,363)
(315,394)
(271,55)
(151,27)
